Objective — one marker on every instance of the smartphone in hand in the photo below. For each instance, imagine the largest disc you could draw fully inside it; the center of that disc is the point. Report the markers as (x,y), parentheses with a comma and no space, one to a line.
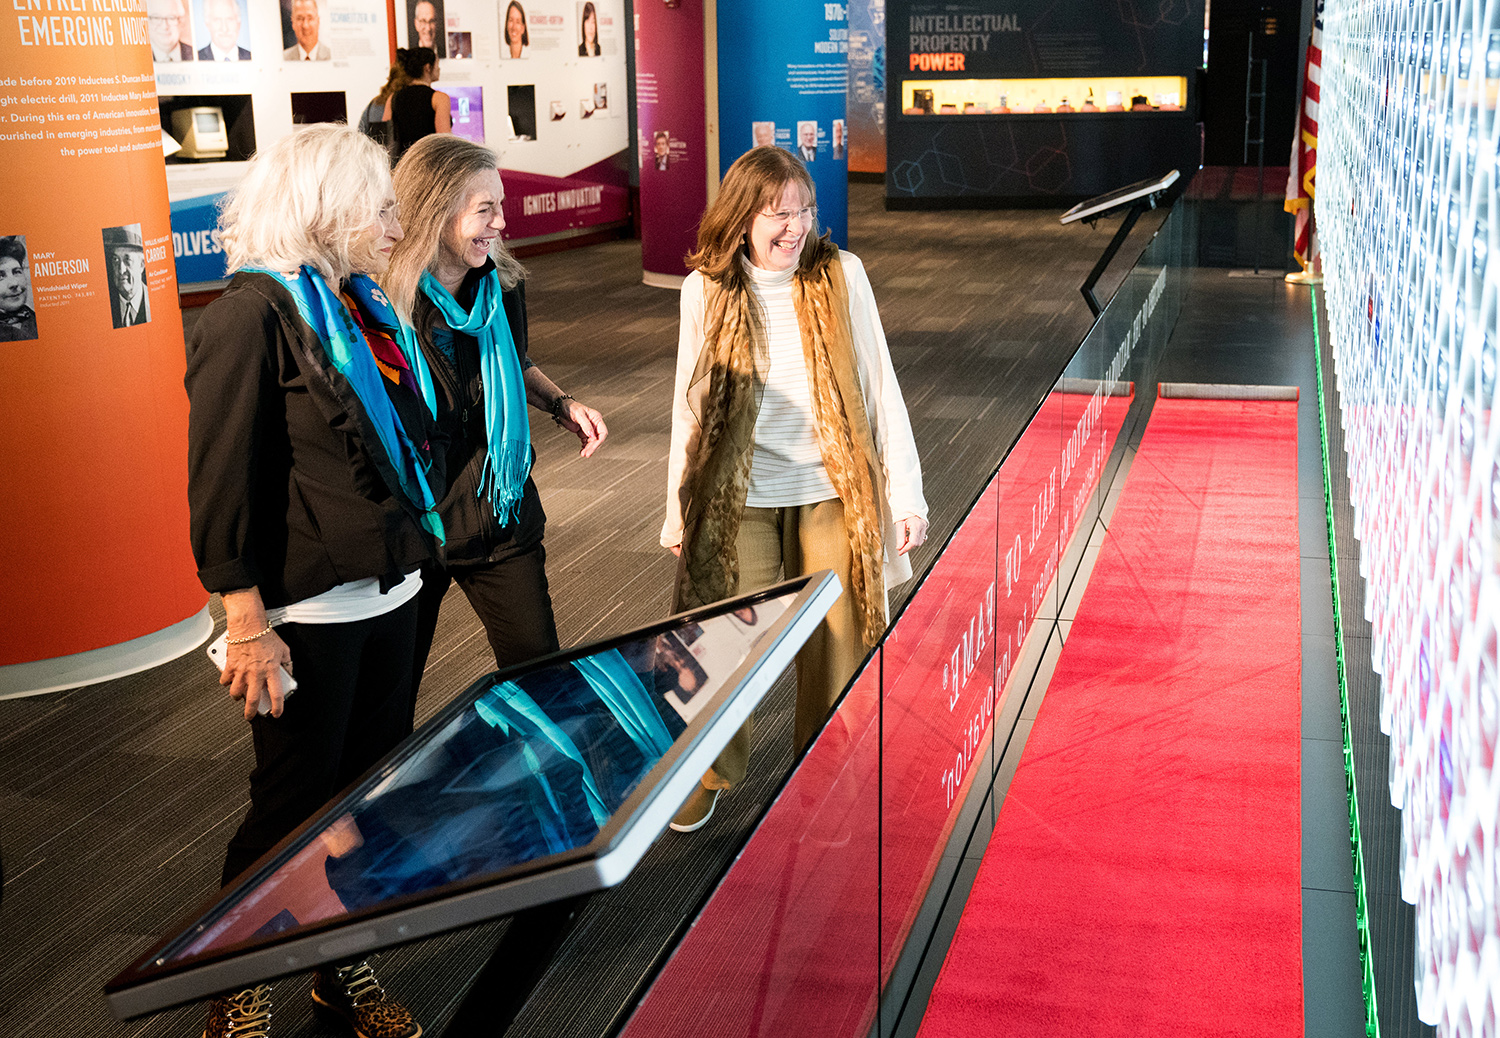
(217,650)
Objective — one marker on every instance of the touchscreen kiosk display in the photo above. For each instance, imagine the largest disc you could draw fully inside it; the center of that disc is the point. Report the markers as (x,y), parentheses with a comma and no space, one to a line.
(527,774)
(1107,203)
(530,767)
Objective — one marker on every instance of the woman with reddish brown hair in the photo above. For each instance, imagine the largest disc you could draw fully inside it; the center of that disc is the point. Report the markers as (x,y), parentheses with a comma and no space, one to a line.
(791,450)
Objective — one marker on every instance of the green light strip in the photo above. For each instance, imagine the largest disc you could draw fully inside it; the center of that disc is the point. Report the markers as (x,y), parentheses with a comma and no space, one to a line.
(1362,911)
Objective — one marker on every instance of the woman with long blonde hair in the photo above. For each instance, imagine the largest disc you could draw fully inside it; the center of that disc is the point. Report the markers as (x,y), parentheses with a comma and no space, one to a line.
(791,449)
(465,296)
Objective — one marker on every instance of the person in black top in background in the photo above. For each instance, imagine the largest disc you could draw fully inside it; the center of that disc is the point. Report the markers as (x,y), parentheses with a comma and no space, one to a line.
(453,269)
(417,110)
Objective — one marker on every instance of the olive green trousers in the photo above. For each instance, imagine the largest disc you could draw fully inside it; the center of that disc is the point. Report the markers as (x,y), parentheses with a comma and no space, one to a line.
(778,544)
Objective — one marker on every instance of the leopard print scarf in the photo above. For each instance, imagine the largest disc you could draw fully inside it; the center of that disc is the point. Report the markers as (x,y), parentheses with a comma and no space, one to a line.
(724,395)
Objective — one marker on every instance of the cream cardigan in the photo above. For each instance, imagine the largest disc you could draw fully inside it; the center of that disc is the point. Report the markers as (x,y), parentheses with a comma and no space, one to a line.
(889,424)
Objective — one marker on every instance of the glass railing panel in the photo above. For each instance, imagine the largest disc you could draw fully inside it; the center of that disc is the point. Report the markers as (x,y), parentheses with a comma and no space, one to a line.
(937,701)
(788,942)
(1027,491)
(815,917)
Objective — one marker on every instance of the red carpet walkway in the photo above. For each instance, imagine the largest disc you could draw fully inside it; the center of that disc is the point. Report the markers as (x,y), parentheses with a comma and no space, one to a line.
(1143,878)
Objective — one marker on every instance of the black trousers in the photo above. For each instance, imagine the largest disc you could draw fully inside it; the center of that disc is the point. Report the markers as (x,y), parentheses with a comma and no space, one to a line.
(509,593)
(354,702)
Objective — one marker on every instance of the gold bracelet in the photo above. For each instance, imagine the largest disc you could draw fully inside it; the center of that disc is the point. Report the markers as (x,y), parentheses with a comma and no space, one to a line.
(248,638)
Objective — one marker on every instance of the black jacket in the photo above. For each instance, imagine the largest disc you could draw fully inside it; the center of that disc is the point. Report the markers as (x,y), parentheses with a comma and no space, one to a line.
(474,534)
(283,494)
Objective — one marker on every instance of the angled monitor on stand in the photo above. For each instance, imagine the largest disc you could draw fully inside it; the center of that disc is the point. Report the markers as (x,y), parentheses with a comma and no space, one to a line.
(536,784)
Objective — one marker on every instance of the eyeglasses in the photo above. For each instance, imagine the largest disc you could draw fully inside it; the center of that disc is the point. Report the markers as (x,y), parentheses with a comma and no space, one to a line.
(806,214)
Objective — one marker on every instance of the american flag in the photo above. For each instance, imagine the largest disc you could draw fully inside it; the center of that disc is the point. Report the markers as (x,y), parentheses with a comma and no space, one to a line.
(1301,183)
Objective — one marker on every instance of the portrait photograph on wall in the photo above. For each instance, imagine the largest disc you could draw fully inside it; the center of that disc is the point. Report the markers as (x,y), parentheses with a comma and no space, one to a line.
(424,26)
(588,30)
(125,259)
(460,45)
(17,318)
(224,30)
(515,36)
(807,140)
(302,25)
(169,25)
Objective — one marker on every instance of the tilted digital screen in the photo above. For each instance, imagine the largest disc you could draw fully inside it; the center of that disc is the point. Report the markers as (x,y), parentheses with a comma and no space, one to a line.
(1105,204)
(535,783)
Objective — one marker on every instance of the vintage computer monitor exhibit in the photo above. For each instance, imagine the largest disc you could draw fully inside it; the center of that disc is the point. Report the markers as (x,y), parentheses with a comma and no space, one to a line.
(201,132)
(539,782)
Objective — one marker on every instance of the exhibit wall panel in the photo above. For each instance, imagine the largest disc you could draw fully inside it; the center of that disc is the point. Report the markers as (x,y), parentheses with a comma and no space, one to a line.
(1407,143)
(549,75)
(245,60)
(672,119)
(1038,99)
(554,106)
(783,80)
(94,513)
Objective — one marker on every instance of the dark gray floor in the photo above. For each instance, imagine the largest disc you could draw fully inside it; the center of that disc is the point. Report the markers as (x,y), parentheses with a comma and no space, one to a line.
(116,800)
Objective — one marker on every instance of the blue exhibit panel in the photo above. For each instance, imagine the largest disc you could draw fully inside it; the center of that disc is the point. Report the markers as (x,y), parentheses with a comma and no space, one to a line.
(199,258)
(783,80)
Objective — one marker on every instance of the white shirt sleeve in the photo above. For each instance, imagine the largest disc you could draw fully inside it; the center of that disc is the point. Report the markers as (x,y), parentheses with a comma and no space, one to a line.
(685,429)
(889,422)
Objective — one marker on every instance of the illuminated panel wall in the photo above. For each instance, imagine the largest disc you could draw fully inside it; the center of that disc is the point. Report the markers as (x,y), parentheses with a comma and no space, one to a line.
(1406,211)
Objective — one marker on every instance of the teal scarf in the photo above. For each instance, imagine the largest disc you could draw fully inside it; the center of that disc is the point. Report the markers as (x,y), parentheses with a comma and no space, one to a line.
(507,432)
(346,348)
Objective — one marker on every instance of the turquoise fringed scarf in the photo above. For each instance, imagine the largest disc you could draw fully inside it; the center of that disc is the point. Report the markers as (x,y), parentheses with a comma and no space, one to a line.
(507,431)
(347,349)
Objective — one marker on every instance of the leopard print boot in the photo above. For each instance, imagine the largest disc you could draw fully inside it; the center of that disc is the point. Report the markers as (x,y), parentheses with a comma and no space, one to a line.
(357,997)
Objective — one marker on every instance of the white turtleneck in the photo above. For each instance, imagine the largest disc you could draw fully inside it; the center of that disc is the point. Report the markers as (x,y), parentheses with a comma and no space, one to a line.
(786,468)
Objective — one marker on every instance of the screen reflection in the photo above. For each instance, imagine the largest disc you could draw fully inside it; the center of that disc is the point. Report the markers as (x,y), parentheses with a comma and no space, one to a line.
(529,767)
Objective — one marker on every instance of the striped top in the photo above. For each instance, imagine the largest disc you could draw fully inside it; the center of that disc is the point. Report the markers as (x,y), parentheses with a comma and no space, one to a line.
(786,468)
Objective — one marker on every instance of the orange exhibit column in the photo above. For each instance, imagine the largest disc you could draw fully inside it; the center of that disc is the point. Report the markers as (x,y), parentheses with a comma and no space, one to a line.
(96,576)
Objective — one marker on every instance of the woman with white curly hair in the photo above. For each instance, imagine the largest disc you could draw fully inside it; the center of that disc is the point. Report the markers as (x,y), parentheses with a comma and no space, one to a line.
(314,474)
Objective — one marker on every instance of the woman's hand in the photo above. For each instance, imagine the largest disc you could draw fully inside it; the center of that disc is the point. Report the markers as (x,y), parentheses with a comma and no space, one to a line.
(585,423)
(253,669)
(913,530)
(676,549)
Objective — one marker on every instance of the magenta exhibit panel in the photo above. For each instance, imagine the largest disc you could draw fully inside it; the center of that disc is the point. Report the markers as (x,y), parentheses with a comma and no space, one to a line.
(1406,213)
(671,119)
